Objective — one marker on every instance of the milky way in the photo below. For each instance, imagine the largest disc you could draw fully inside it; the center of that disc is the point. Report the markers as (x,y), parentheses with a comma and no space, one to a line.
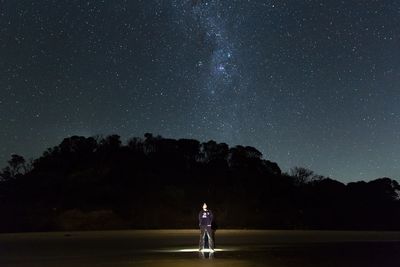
(221,83)
(308,83)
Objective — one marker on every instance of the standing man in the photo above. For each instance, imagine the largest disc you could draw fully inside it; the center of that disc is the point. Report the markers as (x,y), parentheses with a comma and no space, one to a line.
(205,221)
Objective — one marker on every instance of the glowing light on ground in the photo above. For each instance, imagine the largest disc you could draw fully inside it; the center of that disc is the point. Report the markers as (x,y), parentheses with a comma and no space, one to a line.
(188,250)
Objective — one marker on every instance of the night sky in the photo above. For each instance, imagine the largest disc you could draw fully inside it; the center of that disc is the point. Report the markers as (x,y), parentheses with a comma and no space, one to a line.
(308,83)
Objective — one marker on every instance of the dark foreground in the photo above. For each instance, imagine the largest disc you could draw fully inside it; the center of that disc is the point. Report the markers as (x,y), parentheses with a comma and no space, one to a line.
(235,248)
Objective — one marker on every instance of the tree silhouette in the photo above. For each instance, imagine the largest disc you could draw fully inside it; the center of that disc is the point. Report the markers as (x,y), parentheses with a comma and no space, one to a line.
(6,174)
(301,175)
(153,182)
(17,166)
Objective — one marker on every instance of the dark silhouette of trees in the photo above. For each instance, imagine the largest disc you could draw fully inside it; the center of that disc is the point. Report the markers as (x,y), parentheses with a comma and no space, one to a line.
(17,166)
(301,175)
(5,174)
(155,182)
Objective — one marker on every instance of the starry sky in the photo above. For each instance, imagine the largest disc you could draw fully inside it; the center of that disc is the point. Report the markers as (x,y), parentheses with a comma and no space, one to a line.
(308,83)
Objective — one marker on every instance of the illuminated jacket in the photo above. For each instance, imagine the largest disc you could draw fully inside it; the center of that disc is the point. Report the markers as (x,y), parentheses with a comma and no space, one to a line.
(205,218)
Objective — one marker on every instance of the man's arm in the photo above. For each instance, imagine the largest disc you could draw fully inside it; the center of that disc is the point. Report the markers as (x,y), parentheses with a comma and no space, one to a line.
(199,217)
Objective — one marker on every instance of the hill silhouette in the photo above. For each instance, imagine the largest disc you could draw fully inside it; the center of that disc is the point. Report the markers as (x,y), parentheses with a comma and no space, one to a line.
(155,182)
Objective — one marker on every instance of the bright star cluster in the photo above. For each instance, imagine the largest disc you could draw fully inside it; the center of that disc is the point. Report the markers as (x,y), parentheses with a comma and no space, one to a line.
(309,83)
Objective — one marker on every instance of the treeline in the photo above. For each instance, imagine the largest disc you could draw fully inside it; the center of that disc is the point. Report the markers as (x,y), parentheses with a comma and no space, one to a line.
(154,182)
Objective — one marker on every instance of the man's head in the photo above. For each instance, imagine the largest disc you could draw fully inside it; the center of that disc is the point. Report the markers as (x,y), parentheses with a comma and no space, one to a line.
(204,206)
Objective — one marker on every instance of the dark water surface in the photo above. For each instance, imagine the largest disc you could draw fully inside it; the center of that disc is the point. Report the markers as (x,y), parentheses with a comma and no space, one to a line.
(236,248)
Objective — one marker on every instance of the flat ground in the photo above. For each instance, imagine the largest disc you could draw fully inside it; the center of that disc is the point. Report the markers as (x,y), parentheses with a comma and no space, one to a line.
(235,248)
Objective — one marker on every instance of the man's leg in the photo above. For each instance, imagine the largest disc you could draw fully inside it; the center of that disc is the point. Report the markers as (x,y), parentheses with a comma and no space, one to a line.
(210,238)
(202,255)
(202,237)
